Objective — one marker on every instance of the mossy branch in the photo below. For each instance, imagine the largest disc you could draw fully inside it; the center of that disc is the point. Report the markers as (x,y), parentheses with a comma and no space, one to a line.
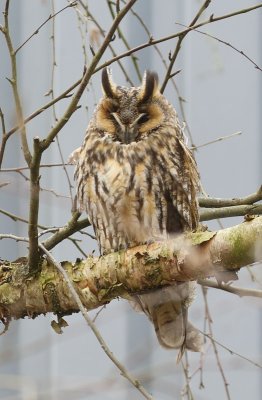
(136,270)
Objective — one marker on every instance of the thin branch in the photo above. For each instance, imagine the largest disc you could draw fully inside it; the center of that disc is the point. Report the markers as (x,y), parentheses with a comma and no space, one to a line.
(216,140)
(186,391)
(63,95)
(227,212)
(14,237)
(78,247)
(17,218)
(232,352)
(2,117)
(73,226)
(3,142)
(3,184)
(241,292)
(53,230)
(128,53)
(124,40)
(102,32)
(227,44)
(179,43)
(216,202)
(14,83)
(72,4)
(2,149)
(19,169)
(87,75)
(93,327)
(175,35)
(180,99)
(41,188)
(54,64)
(219,365)
(88,234)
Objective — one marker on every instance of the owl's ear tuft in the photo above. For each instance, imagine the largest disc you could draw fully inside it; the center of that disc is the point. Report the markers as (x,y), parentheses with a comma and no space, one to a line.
(149,87)
(109,88)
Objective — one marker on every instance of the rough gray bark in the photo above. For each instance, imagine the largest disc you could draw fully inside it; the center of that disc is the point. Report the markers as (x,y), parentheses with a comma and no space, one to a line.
(142,268)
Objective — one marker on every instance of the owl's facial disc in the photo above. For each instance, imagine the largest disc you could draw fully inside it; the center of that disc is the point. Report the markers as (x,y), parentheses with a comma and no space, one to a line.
(128,132)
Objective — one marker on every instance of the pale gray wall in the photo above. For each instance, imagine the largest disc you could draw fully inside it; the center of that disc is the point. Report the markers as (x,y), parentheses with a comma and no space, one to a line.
(223,95)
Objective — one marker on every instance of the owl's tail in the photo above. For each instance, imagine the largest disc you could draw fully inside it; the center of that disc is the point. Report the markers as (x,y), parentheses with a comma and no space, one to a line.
(167,309)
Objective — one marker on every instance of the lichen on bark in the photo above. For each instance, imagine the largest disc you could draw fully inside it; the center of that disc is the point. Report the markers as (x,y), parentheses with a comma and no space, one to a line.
(98,280)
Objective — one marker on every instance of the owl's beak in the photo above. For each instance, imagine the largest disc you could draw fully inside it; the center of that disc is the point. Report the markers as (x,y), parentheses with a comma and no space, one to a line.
(127,133)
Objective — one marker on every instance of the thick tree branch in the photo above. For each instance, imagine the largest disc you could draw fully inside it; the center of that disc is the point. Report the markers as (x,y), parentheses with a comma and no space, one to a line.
(142,268)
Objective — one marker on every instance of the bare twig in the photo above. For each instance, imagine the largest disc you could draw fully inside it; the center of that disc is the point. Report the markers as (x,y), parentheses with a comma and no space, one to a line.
(3,184)
(17,218)
(19,169)
(232,352)
(14,83)
(71,4)
(186,391)
(216,140)
(58,230)
(180,99)
(3,141)
(175,35)
(91,324)
(74,225)
(54,64)
(227,212)
(87,75)
(101,30)
(179,42)
(98,312)
(124,40)
(219,365)
(231,289)
(217,203)
(88,234)
(151,42)
(2,117)
(14,237)
(64,95)
(74,241)
(241,52)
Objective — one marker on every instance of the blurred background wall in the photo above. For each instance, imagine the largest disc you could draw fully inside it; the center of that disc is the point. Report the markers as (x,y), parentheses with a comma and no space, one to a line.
(222,93)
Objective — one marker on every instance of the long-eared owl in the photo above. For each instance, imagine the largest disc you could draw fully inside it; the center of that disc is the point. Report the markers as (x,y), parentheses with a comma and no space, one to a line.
(138,182)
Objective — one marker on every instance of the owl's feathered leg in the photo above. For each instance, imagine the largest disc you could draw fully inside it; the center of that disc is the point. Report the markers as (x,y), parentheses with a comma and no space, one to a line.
(167,309)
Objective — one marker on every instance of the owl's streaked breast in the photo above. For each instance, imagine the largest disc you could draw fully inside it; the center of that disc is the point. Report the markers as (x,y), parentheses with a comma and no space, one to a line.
(136,178)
